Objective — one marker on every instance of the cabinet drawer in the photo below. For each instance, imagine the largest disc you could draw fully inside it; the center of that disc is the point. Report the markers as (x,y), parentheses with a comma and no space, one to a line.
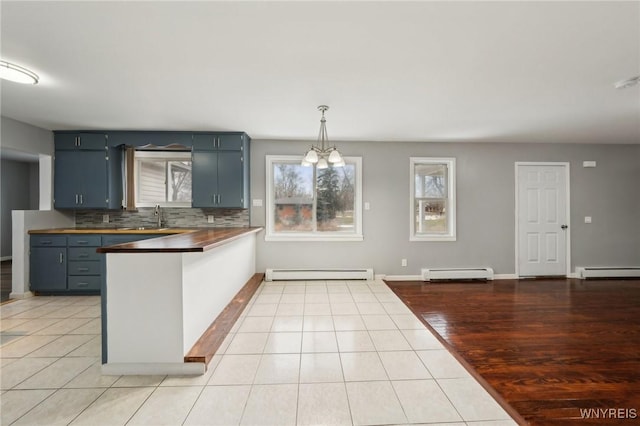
(81,253)
(84,240)
(84,283)
(84,268)
(48,241)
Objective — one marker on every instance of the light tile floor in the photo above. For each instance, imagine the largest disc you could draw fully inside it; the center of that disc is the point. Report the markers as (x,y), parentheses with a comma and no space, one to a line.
(323,353)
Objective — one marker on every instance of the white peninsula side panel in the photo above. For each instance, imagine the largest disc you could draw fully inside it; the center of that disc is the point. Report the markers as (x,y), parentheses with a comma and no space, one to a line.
(159,304)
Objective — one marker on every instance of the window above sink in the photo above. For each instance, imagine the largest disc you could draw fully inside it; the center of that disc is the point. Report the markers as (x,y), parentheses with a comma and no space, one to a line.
(162,177)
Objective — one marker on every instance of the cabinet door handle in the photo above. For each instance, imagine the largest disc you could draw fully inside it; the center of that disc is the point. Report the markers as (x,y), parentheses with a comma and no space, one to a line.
(76,198)
(82,242)
(83,269)
(61,258)
(46,242)
(81,202)
(83,255)
(80,284)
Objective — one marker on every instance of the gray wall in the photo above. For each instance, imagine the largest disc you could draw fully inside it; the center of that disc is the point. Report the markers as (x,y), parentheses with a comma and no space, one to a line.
(20,136)
(34,186)
(610,193)
(16,182)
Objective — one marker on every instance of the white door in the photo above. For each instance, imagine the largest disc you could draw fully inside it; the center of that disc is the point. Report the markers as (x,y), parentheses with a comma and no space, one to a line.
(542,218)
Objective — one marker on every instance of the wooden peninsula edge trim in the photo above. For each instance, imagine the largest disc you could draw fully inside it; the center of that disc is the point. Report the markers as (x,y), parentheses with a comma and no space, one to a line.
(198,241)
(207,345)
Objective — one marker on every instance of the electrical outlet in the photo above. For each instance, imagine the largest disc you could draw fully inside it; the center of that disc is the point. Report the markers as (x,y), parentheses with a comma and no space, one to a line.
(367,206)
(404,262)
(587,219)
(105,218)
(209,218)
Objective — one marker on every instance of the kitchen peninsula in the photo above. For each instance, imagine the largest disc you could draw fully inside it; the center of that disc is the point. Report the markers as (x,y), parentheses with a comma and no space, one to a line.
(163,293)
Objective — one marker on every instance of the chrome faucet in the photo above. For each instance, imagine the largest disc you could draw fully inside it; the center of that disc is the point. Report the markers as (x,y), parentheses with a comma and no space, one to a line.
(158,214)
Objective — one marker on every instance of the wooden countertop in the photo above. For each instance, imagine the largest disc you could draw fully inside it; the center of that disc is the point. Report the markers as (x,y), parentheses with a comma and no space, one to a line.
(198,240)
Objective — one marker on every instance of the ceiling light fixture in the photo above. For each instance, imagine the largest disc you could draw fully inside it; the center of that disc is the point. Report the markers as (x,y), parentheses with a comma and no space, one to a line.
(18,74)
(320,155)
(630,82)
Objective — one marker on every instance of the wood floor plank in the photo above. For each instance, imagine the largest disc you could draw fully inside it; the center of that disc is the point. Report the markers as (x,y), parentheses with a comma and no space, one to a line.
(555,351)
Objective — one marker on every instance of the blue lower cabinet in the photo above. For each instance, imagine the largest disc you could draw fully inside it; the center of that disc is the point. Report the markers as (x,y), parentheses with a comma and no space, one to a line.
(85,283)
(69,263)
(48,269)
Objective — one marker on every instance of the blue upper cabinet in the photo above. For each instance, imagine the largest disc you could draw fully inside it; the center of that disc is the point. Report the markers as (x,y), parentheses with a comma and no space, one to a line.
(220,170)
(89,166)
(76,141)
(219,141)
(87,174)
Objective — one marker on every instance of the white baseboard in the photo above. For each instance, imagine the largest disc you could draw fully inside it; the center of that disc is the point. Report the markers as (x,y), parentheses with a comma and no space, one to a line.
(505,277)
(3,258)
(25,295)
(154,368)
(403,278)
(419,278)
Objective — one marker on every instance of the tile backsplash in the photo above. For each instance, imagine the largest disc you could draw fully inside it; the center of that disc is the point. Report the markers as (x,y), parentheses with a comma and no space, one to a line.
(171,218)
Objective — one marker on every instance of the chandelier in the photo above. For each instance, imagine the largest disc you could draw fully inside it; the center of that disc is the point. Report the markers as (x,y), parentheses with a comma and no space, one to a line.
(322,155)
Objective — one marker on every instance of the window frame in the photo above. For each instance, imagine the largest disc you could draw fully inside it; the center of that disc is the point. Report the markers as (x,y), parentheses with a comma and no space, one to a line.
(450,235)
(271,235)
(166,156)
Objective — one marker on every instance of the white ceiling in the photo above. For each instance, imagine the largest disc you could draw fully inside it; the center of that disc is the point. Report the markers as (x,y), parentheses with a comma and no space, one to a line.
(390,71)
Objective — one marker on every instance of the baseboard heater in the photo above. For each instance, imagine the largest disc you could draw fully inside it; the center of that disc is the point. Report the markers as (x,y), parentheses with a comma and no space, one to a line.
(318,274)
(585,272)
(435,274)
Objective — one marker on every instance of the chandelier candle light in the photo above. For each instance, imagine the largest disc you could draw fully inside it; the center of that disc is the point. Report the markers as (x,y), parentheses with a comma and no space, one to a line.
(320,155)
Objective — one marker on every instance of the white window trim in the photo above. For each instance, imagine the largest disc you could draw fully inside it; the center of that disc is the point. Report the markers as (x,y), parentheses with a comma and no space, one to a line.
(164,155)
(270,235)
(451,188)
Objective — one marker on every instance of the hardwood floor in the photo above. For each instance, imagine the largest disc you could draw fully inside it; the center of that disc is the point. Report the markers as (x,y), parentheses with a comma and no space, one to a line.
(5,280)
(555,350)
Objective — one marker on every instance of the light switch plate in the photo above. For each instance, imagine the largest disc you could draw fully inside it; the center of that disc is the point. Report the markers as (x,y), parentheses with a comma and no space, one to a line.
(210,218)
(588,164)
(367,206)
(105,218)
(587,219)
(257,202)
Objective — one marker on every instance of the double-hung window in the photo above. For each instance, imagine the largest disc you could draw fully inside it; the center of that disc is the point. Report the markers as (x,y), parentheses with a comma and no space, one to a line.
(163,177)
(310,204)
(433,199)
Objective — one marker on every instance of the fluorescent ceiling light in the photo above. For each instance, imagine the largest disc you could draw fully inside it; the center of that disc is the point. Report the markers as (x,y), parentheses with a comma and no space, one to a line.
(18,74)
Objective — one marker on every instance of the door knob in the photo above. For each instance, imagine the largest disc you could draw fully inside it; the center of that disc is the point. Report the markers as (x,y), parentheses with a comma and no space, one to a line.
(564,226)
